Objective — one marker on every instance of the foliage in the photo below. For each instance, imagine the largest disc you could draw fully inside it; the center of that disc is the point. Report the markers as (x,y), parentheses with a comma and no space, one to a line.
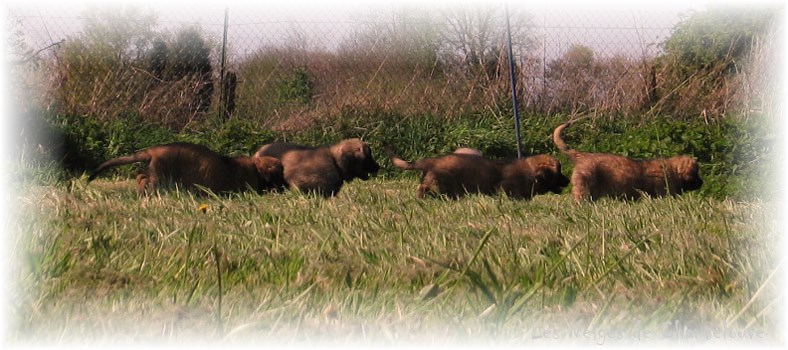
(189,56)
(87,142)
(298,87)
(715,61)
(157,59)
(235,137)
(449,62)
(102,72)
(719,35)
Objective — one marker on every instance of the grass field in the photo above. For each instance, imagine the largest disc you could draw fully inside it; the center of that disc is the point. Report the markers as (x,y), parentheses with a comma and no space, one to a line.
(375,265)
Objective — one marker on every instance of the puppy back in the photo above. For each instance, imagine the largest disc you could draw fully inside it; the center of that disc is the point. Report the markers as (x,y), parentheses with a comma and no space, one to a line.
(277,149)
(469,151)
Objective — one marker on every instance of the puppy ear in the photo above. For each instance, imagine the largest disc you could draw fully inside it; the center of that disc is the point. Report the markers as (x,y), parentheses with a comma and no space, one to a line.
(686,167)
(548,176)
(355,151)
(367,163)
(543,174)
(541,168)
(269,168)
(353,158)
(345,156)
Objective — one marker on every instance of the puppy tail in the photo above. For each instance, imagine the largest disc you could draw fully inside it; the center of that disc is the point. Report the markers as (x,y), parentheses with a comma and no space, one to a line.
(559,142)
(396,160)
(141,156)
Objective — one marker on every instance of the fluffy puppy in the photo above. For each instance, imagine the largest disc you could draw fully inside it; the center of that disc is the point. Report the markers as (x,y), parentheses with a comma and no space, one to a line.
(456,174)
(323,170)
(601,174)
(191,166)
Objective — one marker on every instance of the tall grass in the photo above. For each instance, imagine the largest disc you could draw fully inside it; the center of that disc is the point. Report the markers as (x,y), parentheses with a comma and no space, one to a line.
(409,66)
(375,265)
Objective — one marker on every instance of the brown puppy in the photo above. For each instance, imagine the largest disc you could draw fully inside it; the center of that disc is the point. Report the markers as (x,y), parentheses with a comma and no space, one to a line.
(323,170)
(602,174)
(457,174)
(188,166)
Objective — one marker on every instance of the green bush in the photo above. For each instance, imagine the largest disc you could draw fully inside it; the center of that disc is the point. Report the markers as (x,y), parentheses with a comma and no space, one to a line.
(235,137)
(189,56)
(714,60)
(88,142)
(720,35)
(297,88)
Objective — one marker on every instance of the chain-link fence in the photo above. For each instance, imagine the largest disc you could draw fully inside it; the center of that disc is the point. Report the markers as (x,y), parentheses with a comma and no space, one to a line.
(286,65)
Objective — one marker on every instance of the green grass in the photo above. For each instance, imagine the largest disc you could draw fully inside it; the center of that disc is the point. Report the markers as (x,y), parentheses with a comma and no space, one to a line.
(375,265)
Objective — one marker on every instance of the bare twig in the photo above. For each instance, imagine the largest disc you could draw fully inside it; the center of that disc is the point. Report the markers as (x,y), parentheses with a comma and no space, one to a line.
(34,55)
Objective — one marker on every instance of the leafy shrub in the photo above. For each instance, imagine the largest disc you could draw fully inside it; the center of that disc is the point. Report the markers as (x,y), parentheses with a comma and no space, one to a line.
(101,72)
(297,88)
(88,142)
(234,137)
(711,60)
(188,57)
(719,35)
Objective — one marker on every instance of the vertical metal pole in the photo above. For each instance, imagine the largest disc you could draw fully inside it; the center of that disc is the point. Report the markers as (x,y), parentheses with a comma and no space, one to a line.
(222,88)
(544,60)
(514,88)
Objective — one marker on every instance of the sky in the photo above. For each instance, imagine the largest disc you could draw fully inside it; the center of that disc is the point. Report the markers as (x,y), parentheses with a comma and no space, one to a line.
(609,27)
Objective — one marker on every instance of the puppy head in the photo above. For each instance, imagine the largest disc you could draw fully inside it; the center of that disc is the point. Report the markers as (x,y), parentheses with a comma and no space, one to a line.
(687,171)
(270,172)
(354,158)
(548,175)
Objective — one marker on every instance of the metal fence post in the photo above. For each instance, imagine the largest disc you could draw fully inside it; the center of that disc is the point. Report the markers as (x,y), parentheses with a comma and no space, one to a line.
(514,87)
(222,83)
